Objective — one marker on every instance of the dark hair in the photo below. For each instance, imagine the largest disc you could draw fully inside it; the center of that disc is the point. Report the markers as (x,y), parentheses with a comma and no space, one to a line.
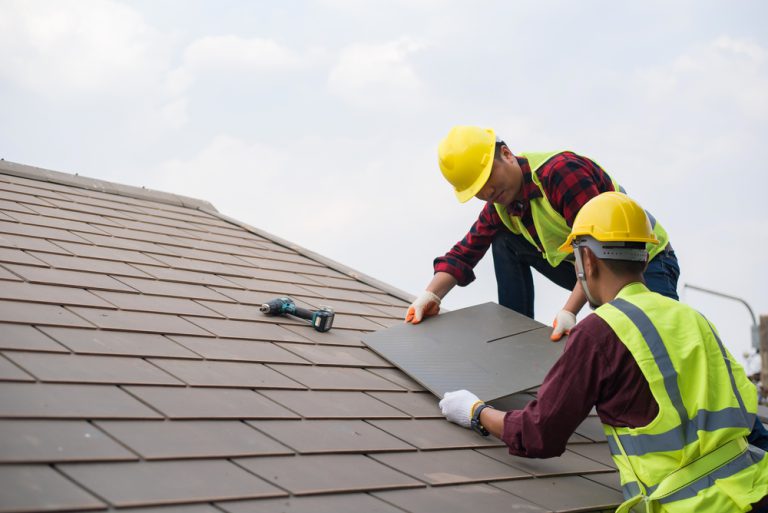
(497,151)
(625,267)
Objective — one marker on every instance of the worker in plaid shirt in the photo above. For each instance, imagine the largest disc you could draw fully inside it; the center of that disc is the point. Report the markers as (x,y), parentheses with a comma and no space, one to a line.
(531,202)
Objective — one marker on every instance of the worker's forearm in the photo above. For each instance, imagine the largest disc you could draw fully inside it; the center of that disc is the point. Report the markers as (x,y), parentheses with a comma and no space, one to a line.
(576,300)
(441,284)
(493,421)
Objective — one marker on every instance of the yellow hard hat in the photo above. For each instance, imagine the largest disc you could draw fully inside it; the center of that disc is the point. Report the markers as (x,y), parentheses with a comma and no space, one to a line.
(466,158)
(611,217)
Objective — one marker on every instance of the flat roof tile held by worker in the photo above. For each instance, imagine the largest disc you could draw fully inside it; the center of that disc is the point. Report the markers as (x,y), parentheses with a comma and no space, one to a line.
(137,373)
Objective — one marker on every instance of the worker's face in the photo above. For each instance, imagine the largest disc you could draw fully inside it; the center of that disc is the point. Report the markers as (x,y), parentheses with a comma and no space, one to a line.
(505,181)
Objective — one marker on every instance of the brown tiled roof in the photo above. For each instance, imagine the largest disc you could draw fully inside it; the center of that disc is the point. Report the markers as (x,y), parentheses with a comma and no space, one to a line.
(137,372)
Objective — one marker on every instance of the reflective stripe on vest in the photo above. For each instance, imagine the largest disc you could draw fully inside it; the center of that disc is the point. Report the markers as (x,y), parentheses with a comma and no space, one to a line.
(678,457)
(551,227)
(676,438)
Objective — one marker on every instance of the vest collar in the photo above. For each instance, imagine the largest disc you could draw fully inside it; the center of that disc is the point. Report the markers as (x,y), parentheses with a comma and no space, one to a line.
(529,190)
(632,289)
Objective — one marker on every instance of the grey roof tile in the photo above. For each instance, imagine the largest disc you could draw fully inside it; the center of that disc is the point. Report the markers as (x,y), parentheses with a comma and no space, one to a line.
(338,503)
(609,479)
(27,441)
(92,341)
(354,322)
(138,321)
(332,337)
(132,245)
(155,440)
(337,355)
(93,265)
(22,198)
(163,482)
(243,329)
(238,350)
(69,278)
(165,288)
(225,374)
(41,488)
(102,253)
(428,434)
(568,463)
(416,404)
(157,304)
(335,378)
(202,266)
(39,232)
(455,466)
(344,283)
(184,508)
(75,216)
(11,372)
(303,475)
(7,206)
(333,405)
(53,222)
(184,276)
(330,436)
(592,429)
(598,452)
(345,307)
(561,494)
(17,256)
(341,294)
(72,368)
(39,400)
(458,499)
(21,336)
(398,377)
(210,403)
(23,291)
(33,313)
(5,276)
(8,240)
(237,311)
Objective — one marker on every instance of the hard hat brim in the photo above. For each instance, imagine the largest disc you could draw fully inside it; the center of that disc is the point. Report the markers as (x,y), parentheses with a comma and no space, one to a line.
(467,194)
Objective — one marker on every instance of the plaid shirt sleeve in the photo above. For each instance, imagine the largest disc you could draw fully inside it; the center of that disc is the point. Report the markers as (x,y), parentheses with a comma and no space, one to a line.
(570,180)
(466,253)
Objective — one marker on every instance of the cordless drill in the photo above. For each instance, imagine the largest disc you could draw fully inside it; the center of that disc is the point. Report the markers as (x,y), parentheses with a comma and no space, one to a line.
(321,319)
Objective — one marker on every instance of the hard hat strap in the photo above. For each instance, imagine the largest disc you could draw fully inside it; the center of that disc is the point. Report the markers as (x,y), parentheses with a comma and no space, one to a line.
(579,264)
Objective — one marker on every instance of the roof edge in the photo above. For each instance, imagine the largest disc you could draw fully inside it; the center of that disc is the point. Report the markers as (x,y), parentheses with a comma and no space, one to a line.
(93,184)
(333,264)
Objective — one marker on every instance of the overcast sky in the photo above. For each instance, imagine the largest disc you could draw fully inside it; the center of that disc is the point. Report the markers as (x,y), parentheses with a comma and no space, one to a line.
(319,120)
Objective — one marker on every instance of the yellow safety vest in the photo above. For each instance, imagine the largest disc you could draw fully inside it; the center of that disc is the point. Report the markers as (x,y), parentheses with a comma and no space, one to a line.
(694,455)
(550,225)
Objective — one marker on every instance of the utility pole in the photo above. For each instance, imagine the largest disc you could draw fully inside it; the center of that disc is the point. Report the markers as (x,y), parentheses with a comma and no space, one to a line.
(764,357)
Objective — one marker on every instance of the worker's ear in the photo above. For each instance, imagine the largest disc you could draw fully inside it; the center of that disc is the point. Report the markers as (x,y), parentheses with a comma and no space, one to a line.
(590,263)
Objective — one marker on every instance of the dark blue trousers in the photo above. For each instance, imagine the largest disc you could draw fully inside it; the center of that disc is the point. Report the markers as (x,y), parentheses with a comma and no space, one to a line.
(514,257)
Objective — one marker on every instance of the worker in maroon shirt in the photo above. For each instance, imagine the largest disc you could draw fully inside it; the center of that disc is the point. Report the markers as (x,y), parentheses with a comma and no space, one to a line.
(531,202)
(677,409)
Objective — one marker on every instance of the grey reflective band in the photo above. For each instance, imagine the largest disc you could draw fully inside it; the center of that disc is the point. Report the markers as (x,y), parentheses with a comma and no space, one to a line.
(659,352)
(748,458)
(630,489)
(704,420)
(743,409)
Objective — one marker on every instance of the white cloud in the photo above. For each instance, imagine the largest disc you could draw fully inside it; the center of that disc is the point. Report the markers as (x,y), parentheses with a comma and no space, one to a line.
(728,74)
(64,47)
(231,54)
(378,75)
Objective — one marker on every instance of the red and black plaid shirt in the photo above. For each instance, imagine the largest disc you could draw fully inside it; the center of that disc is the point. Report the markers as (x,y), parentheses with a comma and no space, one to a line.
(569,181)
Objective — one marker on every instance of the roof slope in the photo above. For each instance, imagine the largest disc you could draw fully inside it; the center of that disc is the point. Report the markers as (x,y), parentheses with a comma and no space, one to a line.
(136,371)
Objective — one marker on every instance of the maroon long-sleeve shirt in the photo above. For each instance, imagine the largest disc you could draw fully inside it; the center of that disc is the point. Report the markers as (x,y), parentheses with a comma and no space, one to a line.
(595,369)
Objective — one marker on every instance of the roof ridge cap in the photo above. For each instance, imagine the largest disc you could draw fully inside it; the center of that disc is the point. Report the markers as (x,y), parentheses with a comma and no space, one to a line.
(94,184)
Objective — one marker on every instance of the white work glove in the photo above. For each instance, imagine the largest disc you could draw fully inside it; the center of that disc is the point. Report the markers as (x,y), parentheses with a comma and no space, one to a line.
(564,321)
(459,406)
(428,303)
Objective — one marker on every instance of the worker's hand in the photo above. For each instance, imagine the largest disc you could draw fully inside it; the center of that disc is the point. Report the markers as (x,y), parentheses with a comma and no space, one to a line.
(459,406)
(428,303)
(564,321)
